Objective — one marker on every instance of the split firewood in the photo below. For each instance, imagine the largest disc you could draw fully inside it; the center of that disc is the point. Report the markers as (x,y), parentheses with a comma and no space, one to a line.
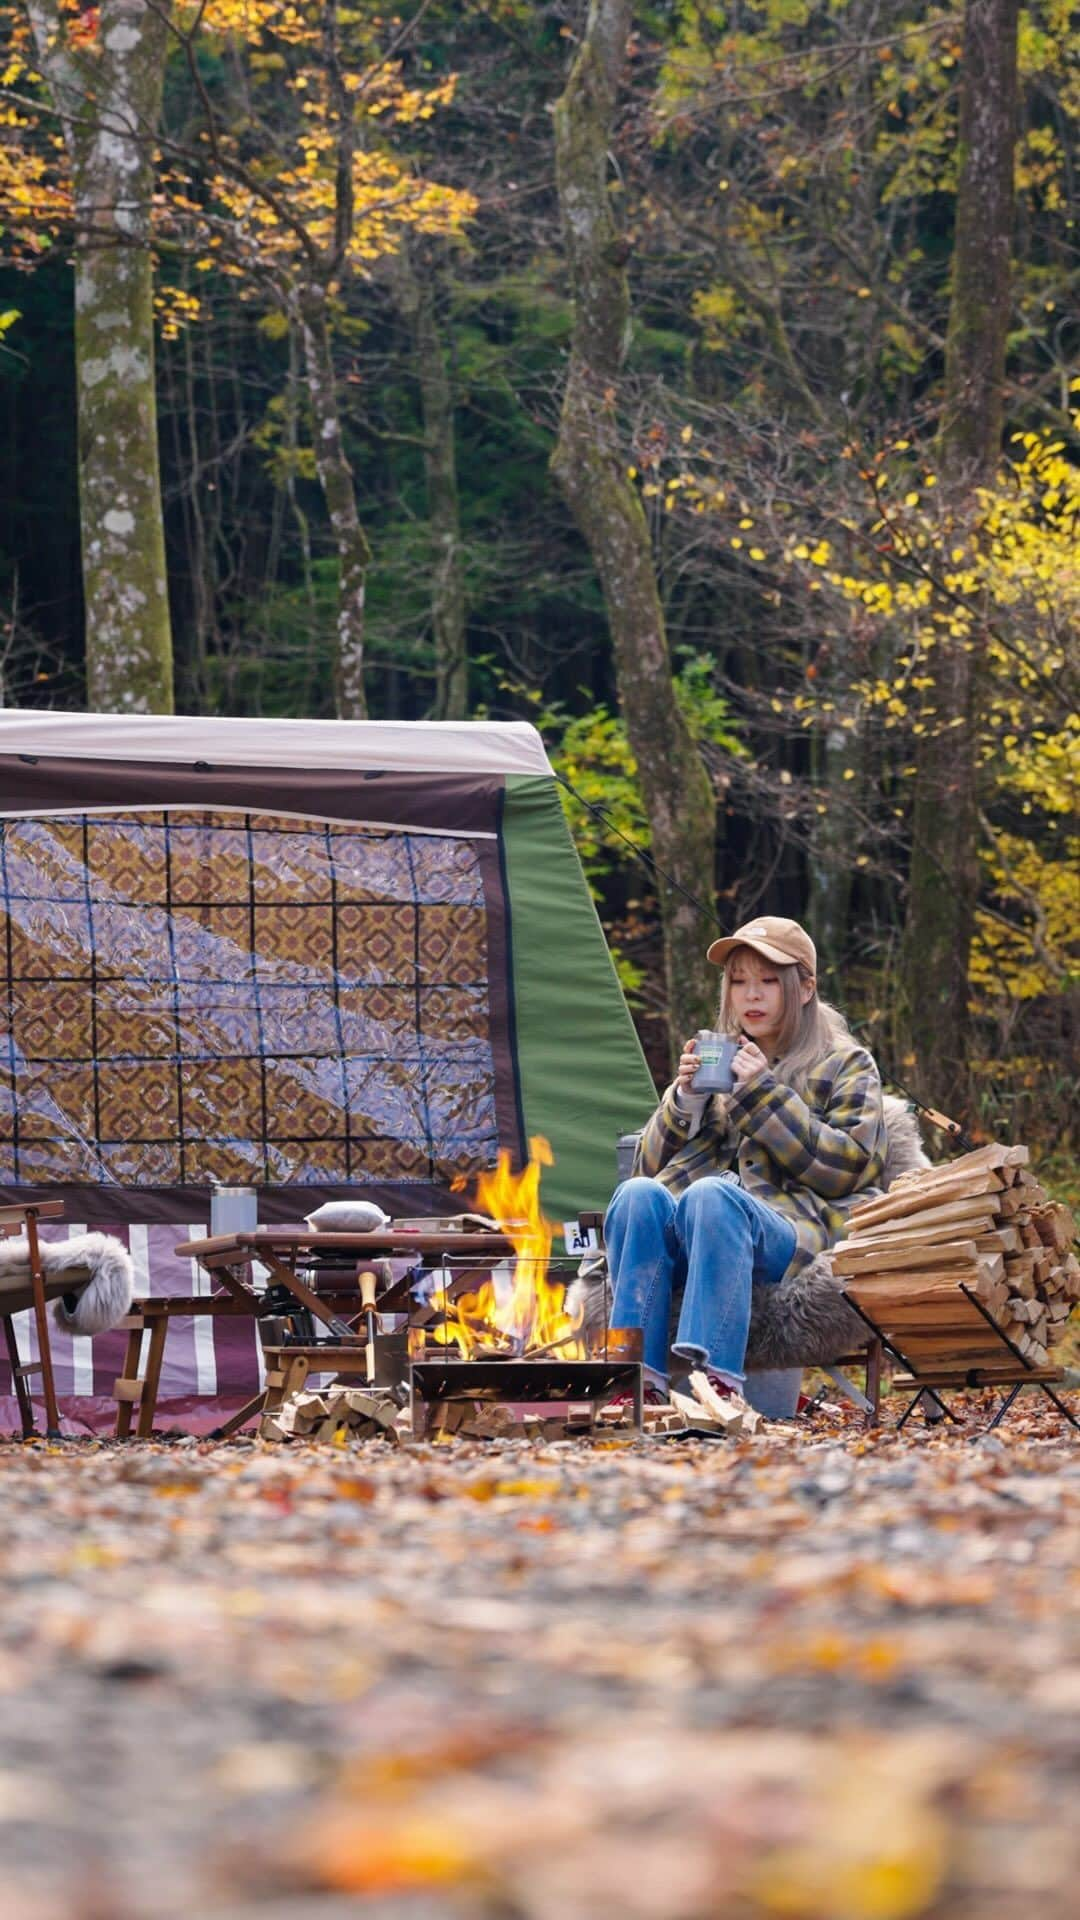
(949,1247)
(733,1418)
(302,1413)
(338,1412)
(991,1157)
(664,1420)
(694,1413)
(1055,1226)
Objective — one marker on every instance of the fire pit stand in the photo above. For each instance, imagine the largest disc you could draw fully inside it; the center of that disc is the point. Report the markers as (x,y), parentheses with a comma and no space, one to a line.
(525,1380)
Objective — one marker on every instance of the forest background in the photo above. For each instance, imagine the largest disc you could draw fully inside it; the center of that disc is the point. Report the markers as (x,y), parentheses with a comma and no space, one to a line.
(697,381)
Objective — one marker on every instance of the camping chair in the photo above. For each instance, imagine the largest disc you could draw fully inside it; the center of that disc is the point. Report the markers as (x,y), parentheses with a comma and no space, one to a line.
(28,1286)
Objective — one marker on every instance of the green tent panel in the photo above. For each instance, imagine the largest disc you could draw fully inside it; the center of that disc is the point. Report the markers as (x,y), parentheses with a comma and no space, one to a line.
(583,1075)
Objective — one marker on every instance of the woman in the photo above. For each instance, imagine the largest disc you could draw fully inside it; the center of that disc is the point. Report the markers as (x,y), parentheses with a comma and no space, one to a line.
(732,1188)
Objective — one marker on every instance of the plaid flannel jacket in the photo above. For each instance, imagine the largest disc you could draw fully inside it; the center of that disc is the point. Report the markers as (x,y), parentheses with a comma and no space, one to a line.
(813,1157)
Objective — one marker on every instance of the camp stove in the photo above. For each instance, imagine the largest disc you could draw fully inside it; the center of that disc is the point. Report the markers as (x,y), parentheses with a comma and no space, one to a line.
(438,1375)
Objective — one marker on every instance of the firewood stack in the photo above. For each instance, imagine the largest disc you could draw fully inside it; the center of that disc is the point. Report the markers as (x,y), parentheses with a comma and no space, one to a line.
(984,1223)
(338,1413)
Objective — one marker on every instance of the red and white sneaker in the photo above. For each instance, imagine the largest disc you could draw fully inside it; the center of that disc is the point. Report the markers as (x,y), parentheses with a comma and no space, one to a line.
(651,1394)
(721,1386)
(722,1390)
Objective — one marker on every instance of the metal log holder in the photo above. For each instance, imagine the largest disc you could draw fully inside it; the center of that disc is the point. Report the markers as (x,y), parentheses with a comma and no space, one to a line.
(1014,1371)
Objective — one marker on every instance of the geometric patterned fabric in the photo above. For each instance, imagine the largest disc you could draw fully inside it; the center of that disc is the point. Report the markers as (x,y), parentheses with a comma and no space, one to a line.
(196,996)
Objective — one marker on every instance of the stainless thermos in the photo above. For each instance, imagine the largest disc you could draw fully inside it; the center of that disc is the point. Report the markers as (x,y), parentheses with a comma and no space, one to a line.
(233,1210)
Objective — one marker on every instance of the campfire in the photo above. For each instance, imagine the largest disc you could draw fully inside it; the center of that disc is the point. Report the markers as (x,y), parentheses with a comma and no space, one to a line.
(518,1314)
(509,1337)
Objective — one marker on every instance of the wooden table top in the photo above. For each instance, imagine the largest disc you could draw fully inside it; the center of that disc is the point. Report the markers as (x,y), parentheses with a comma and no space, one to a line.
(389,1240)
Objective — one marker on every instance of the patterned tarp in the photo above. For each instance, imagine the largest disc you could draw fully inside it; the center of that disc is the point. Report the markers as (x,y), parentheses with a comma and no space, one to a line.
(245,998)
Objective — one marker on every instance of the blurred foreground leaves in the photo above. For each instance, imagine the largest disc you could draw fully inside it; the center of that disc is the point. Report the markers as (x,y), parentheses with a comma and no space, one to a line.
(816,1675)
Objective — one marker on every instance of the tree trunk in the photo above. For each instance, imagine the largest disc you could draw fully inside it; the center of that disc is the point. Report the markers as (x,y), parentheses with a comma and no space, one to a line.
(830,869)
(589,464)
(108,99)
(416,299)
(335,478)
(944,861)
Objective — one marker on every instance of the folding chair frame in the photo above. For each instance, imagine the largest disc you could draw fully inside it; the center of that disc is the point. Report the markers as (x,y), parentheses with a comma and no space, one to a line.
(14,1220)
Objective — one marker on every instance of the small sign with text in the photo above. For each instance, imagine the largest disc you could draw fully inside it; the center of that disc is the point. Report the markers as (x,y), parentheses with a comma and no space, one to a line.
(579,1238)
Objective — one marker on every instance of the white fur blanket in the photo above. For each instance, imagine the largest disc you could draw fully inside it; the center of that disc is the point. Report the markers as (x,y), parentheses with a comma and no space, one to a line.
(94,1305)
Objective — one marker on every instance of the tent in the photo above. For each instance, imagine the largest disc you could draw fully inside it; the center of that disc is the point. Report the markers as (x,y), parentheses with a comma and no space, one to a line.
(314,957)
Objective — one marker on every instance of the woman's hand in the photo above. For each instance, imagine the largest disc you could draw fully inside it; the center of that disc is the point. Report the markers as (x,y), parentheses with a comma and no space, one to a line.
(748,1061)
(688,1066)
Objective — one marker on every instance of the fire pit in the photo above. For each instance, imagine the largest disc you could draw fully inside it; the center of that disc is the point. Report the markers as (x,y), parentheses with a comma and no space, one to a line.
(503,1337)
(439,1378)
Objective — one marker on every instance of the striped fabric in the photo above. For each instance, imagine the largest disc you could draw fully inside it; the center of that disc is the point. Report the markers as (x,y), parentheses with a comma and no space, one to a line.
(812,1157)
(215,1363)
(211,1365)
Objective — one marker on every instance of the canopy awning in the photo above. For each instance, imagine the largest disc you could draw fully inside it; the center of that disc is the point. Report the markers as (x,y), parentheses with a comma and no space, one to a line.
(399,746)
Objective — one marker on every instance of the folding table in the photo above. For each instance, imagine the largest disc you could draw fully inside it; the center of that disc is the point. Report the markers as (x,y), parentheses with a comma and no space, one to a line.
(293,1257)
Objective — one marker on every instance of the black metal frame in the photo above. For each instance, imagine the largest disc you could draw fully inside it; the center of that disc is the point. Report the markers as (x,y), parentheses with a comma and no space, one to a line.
(507,1381)
(972,1378)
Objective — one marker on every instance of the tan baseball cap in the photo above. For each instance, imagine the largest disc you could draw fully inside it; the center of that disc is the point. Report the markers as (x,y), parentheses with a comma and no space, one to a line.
(782,941)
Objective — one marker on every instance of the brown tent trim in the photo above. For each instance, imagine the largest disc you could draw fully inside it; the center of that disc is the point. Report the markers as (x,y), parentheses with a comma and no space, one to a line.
(103,1207)
(450,803)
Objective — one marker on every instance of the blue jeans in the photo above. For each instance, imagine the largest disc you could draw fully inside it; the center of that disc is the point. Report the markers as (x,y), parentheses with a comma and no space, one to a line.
(716,1237)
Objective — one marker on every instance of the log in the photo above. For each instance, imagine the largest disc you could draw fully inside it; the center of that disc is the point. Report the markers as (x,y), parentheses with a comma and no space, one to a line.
(978,1210)
(999,1239)
(989,1158)
(731,1418)
(853,1257)
(913,1199)
(913,1232)
(884,1290)
(694,1413)
(952,1317)
(1055,1226)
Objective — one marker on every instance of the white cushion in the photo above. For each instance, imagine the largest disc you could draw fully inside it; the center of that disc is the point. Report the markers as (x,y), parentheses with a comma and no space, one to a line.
(347,1216)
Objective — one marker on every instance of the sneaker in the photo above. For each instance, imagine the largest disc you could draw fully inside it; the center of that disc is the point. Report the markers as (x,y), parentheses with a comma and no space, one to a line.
(721,1386)
(652,1396)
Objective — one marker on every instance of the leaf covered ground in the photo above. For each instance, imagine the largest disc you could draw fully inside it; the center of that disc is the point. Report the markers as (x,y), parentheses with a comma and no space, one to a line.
(814,1675)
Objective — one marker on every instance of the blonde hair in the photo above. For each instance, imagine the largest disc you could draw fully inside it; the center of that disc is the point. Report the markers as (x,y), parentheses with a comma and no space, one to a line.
(809,1029)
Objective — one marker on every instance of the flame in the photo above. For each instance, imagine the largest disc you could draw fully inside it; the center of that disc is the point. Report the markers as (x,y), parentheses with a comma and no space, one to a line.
(515,1313)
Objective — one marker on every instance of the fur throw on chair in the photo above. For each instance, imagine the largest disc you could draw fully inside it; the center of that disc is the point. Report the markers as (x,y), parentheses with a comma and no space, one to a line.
(805,1321)
(102,1278)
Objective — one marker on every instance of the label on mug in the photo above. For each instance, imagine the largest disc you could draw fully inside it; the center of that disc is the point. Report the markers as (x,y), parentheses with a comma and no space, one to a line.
(716,1051)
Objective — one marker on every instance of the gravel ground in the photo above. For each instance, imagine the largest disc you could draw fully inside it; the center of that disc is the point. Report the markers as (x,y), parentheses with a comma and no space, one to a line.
(811,1675)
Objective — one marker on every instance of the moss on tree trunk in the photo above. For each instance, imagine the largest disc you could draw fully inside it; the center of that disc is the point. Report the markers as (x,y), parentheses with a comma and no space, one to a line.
(415,292)
(108,98)
(590,466)
(336,480)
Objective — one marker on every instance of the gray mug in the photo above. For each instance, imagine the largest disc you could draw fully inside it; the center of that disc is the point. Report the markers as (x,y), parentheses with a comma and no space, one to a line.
(716,1051)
